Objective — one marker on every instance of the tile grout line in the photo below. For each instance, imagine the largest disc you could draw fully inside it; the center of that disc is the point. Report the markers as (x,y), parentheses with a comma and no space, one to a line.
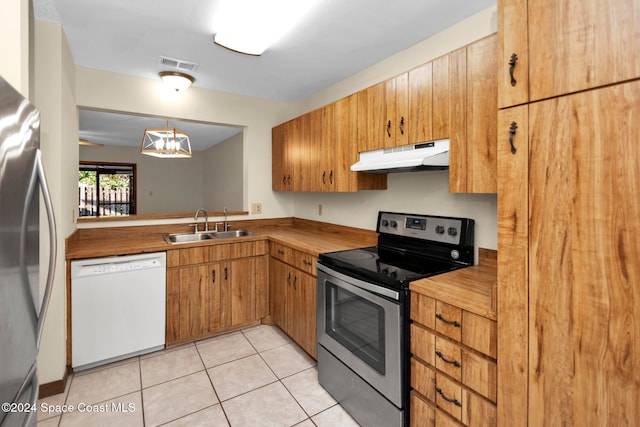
(212,386)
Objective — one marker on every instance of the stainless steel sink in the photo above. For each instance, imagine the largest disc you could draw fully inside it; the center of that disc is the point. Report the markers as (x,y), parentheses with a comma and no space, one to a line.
(233,233)
(187,237)
(198,237)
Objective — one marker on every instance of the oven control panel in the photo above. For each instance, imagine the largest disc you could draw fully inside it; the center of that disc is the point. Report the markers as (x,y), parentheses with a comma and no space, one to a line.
(435,228)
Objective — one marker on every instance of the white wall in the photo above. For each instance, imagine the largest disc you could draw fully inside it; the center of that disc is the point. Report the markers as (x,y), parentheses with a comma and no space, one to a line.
(14,44)
(54,95)
(223,175)
(116,92)
(413,192)
(163,185)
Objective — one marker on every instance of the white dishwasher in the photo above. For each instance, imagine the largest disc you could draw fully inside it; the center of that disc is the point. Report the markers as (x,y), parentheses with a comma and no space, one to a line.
(117,308)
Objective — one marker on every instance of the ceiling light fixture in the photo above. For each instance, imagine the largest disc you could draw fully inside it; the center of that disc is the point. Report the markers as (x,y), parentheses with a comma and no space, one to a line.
(165,143)
(251,26)
(88,143)
(175,80)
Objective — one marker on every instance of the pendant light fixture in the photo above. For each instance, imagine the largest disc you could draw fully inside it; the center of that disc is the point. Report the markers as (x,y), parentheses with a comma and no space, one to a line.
(165,143)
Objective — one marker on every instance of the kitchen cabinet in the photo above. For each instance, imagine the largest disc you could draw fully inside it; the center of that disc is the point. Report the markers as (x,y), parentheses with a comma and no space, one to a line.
(575,45)
(314,152)
(473,89)
(568,279)
(292,296)
(214,288)
(429,101)
(453,366)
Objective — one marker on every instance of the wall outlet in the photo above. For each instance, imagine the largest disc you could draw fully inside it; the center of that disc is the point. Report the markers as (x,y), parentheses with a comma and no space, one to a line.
(256,208)
(320,210)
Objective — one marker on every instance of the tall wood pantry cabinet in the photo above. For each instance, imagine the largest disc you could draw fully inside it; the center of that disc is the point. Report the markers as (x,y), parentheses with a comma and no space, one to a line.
(569,213)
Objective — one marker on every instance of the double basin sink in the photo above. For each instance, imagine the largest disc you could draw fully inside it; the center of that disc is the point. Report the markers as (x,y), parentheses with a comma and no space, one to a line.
(208,235)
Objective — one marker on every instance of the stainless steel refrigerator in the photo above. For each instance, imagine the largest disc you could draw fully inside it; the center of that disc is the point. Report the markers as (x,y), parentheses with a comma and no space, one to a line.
(21,307)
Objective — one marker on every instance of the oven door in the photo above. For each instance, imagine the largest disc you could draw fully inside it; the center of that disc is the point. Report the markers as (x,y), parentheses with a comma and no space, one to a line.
(363,329)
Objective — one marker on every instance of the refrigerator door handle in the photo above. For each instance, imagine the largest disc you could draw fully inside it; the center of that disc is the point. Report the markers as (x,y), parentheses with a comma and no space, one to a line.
(52,243)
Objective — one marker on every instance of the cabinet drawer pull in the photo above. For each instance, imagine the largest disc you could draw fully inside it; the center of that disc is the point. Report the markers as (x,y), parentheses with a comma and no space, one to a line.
(280,251)
(451,362)
(512,136)
(402,125)
(512,65)
(305,262)
(449,322)
(389,128)
(454,400)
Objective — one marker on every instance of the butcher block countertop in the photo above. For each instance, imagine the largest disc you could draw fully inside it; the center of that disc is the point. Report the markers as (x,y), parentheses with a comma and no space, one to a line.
(308,236)
(473,288)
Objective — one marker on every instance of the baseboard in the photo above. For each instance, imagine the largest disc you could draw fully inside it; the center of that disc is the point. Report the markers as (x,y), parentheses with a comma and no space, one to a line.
(55,387)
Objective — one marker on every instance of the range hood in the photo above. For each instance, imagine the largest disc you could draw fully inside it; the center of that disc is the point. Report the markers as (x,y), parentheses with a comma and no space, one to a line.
(432,155)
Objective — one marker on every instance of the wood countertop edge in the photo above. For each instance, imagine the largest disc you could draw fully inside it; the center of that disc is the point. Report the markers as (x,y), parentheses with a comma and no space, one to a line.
(277,230)
(473,289)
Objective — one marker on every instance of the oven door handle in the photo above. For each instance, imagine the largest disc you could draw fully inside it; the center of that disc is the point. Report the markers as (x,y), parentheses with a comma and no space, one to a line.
(379,290)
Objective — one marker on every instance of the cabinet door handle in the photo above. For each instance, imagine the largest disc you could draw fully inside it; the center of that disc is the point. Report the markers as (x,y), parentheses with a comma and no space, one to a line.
(448,399)
(450,362)
(512,65)
(288,179)
(213,276)
(226,274)
(512,136)
(331,177)
(324,175)
(295,280)
(280,251)
(389,128)
(402,125)
(289,279)
(449,322)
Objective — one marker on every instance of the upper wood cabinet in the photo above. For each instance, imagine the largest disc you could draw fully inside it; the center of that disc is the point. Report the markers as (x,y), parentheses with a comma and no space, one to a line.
(317,150)
(472,157)
(575,45)
(429,101)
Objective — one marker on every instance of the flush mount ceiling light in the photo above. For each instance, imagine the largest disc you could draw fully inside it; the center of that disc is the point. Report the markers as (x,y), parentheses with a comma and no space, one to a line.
(251,26)
(176,80)
(165,143)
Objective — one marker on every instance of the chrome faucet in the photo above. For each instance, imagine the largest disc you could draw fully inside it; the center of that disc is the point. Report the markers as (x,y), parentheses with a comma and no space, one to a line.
(226,224)
(206,220)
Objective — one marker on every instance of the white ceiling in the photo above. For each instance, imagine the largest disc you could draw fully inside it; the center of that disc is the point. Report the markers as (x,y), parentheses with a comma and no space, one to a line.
(335,40)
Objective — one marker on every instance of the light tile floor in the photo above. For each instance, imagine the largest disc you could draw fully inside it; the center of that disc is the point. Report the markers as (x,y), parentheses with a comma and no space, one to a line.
(254,377)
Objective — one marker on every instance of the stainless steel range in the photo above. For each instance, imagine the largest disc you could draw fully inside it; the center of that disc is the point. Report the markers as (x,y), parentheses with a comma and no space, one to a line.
(363,311)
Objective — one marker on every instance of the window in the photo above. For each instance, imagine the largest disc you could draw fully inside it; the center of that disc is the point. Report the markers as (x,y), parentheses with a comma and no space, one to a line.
(106,189)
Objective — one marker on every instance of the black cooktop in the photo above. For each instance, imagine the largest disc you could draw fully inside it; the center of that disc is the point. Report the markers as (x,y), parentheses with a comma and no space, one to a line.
(385,266)
(410,247)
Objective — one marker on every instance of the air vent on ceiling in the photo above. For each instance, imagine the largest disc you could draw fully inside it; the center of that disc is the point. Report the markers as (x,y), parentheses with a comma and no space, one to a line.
(178,63)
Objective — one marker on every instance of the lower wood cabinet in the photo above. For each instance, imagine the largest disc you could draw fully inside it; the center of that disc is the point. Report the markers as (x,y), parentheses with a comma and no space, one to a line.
(453,367)
(292,303)
(214,288)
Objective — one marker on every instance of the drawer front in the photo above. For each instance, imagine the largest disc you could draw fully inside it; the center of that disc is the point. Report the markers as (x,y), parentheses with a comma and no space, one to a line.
(421,413)
(192,256)
(423,310)
(480,333)
(305,262)
(423,380)
(448,357)
(449,320)
(423,344)
(478,412)
(449,396)
(282,252)
(237,250)
(480,374)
